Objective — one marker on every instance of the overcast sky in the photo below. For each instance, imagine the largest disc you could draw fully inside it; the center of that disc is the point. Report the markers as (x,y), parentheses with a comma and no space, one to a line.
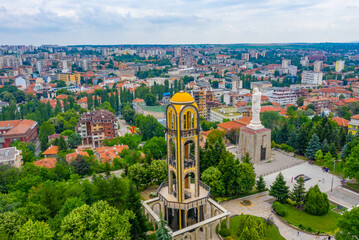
(67,22)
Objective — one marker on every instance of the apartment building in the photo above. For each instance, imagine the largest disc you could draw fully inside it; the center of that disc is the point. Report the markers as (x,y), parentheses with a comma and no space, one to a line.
(96,126)
(318,66)
(70,78)
(231,113)
(14,130)
(200,98)
(311,77)
(282,96)
(339,65)
(353,125)
(318,101)
(10,156)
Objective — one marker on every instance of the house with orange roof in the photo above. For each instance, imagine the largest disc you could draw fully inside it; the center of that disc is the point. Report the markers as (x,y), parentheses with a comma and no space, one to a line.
(46,162)
(72,156)
(107,154)
(62,96)
(269,109)
(341,122)
(51,151)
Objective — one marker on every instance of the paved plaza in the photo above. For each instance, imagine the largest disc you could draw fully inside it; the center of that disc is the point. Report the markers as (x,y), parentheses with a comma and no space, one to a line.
(261,207)
(279,161)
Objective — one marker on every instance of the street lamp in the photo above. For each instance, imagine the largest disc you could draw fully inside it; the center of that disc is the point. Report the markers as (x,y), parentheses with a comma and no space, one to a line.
(331,189)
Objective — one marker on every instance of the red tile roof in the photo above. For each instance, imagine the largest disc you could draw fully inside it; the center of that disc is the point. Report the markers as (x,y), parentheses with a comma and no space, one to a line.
(46,162)
(18,126)
(269,109)
(355,117)
(52,150)
(341,121)
(229,125)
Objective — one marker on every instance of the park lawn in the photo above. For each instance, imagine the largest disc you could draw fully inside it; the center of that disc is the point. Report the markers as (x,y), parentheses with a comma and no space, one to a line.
(272,232)
(325,224)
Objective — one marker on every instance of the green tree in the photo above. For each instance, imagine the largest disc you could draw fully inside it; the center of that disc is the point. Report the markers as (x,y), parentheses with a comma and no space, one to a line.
(74,140)
(46,129)
(157,171)
(162,232)
(316,202)
(58,108)
(157,146)
(318,156)
(138,223)
(351,167)
(150,99)
(213,178)
(128,114)
(298,192)
(246,234)
(10,222)
(90,102)
(137,174)
(279,189)
(82,167)
(313,146)
(246,158)
(300,101)
(35,231)
(35,212)
(261,185)
(214,135)
(100,221)
(349,225)
(62,144)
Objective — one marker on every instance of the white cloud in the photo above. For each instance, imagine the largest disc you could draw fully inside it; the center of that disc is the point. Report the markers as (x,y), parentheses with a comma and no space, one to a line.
(177,21)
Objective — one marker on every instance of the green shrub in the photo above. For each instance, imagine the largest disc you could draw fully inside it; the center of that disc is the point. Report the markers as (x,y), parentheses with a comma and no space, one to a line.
(149,226)
(224,232)
(151,237)
(291,202)
(316,202)
(228,238)
(279,209)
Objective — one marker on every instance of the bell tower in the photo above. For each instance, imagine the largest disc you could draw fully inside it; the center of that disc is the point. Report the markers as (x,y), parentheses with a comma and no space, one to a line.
(183,200)
(185,194)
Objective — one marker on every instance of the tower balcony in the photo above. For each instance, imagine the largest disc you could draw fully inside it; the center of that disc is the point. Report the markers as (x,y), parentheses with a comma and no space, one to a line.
(189,162)
(184,133)
(189,202)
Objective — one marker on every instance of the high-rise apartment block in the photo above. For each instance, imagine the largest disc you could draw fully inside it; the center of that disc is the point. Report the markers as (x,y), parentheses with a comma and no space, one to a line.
(318,66)
(200,98)
(339,65)
(245,56)
(310,77)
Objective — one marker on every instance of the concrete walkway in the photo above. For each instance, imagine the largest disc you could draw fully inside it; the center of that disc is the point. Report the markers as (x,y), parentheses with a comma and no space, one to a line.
(261,207)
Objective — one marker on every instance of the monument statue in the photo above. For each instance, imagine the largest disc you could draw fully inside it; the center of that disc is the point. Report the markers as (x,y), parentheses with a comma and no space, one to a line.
(256,109)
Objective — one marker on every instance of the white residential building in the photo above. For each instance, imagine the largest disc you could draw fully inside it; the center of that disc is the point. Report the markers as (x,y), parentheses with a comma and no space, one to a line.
(282,96)
(310,77)
(10,156)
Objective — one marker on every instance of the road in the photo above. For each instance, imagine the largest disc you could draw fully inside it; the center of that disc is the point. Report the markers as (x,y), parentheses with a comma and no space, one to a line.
(123,127)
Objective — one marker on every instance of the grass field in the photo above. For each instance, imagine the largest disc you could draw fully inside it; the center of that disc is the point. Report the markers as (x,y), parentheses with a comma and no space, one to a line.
(325,224)
(272,233)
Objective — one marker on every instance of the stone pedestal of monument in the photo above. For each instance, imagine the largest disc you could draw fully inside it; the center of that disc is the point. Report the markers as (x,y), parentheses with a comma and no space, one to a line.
(256,140)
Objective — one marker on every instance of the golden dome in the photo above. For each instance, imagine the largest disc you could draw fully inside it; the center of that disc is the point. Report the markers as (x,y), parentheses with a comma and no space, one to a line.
(182,97)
